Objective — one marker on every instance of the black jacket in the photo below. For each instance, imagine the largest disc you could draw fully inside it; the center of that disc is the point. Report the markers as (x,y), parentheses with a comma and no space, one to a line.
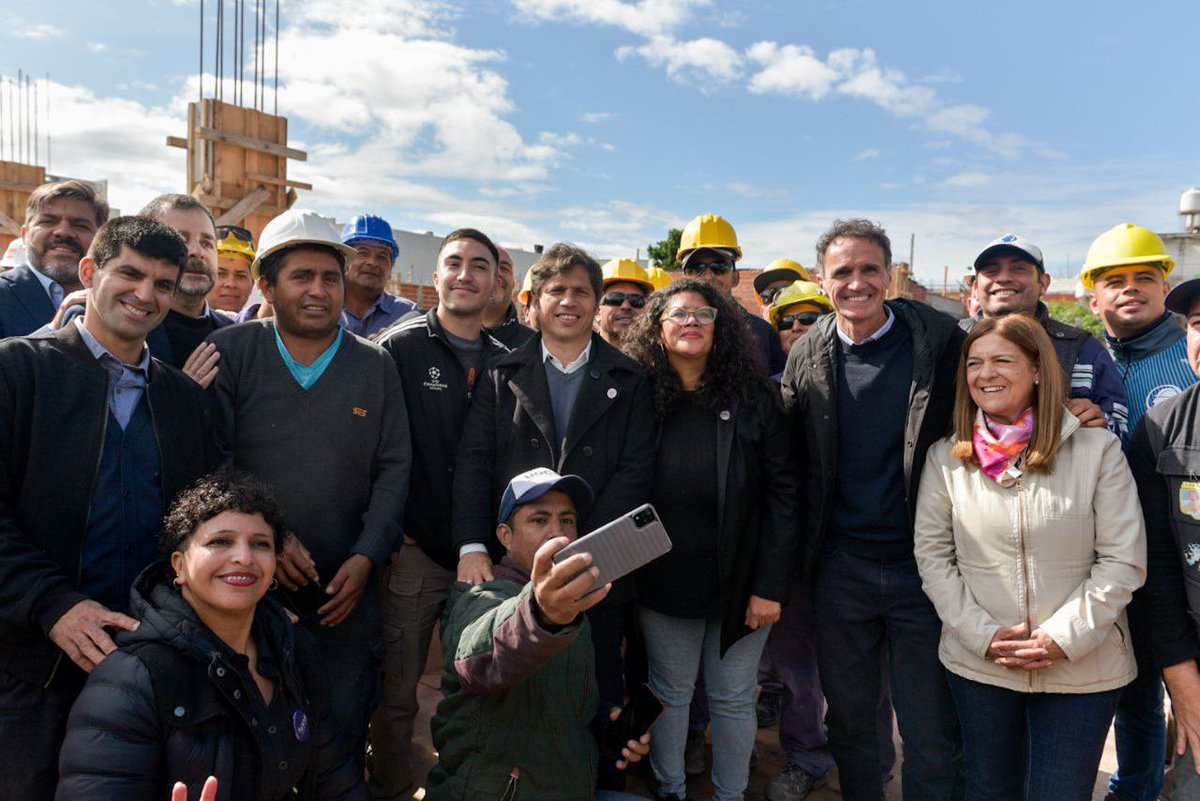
(24,304)
(171,706)
(756,503)
(510,332)
(438,394)
(158,340)
(810,389)
(510,429)
(53,412)
(1164,456)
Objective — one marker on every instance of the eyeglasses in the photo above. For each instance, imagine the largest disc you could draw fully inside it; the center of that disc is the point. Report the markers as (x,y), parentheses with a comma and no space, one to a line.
(705,315)
(237,231)
(714,267)
(617,298)
(768,295)
(804,318)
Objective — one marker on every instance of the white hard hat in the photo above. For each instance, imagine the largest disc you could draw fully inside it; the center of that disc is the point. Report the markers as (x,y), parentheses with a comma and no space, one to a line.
(299,227)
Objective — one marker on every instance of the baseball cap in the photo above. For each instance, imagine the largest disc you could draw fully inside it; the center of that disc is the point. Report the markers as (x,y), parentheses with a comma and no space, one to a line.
(1182,297)
(1012,242)
(533,484)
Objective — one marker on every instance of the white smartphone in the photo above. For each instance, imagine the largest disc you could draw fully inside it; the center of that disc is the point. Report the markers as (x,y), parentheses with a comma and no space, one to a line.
(622,546)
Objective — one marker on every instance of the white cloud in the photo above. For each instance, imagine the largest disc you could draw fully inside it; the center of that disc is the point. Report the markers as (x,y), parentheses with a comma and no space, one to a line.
(647,18)
(863,77)
(37,31)
(968,180)
(592,117)
(97,47)
(967,122)
(869,153)
(697,62)
(790,70)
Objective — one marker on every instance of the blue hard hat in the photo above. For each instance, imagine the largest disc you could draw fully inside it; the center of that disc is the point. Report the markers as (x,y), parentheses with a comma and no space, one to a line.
(370,228)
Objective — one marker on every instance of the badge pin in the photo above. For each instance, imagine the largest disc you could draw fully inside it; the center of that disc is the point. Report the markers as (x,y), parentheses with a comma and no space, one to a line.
(612,392)
(300,726)
(1189,499)
(725,415)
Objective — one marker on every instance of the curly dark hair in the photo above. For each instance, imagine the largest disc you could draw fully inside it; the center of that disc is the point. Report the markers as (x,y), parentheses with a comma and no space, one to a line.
(223,491)
(734,369)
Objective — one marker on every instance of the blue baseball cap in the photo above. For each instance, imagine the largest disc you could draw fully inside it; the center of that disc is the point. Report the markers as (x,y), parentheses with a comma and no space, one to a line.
(533,484)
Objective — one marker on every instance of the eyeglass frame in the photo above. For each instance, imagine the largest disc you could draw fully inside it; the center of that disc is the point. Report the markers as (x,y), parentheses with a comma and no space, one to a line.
(691,315)
(717,268)
(786,321)
(635,300)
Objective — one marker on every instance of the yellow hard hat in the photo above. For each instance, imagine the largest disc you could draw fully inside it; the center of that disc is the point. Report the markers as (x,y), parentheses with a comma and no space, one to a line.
(708,231)
(660,278)
(526,288)
(235,241)
(779,270)
(1121,246)
(626,270)
(795,294)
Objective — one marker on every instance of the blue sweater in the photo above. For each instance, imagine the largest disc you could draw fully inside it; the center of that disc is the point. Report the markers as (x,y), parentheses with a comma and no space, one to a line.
(1153,365)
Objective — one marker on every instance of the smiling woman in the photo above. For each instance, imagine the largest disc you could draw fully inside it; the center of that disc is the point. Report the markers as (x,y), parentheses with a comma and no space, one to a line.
(1030,542)
(216,677)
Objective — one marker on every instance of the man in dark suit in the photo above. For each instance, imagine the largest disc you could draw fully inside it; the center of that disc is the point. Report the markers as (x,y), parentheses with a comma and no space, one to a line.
(60,221)
(569,401)
(96,438)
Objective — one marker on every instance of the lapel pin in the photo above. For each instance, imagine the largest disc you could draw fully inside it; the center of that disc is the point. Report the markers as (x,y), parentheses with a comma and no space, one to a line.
(725,415)
(612,392)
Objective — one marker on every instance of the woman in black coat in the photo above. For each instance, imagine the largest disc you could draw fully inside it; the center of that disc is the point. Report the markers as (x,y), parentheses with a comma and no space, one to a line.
(724,488)
(216,681)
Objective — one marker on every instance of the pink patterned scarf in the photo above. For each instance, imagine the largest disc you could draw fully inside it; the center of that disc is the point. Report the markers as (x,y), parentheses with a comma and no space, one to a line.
(997,445)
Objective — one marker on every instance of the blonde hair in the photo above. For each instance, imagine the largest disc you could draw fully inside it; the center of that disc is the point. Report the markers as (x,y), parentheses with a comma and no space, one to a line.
(1049,393)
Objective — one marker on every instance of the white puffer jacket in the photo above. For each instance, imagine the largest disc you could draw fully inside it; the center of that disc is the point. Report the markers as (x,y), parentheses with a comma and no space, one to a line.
(1063,552)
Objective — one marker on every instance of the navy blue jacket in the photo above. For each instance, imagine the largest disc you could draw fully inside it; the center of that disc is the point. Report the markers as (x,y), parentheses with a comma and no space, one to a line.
(24,304)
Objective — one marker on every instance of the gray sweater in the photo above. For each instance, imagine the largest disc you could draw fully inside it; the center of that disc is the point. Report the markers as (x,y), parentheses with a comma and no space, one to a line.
(337,454)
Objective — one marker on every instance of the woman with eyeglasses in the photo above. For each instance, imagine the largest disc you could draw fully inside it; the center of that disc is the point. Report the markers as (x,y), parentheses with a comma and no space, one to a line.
(796,308)
(724,488)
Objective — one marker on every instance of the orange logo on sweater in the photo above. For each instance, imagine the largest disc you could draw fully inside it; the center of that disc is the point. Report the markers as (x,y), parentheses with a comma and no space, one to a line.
(359,412)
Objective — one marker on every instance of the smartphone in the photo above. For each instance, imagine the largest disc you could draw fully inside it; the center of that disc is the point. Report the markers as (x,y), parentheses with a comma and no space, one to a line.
(305,601)
(622,546)
(637,716)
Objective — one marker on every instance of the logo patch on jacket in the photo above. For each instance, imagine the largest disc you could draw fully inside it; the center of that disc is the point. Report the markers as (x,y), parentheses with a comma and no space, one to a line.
(435,382)
(1189,499)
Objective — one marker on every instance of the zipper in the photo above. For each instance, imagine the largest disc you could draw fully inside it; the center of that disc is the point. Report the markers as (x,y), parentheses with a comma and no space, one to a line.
(510,789)
(1024,563)
(87,521)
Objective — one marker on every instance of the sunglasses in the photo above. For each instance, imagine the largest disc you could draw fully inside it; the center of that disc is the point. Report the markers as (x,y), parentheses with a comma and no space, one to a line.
(617,298)
(714,267)
(705,315)
(769,295)
(237,231)
(804,318)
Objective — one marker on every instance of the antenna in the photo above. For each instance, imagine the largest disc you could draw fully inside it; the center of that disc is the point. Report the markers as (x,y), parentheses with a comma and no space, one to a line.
(277,58)
(47,121)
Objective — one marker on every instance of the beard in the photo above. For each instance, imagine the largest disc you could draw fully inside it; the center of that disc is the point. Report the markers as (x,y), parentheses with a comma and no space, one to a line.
(64,274)
(197,280)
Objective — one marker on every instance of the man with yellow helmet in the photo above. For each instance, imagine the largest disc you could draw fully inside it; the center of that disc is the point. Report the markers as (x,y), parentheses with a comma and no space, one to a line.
(778,276)
(235,253)
(796,309)
(1126,271)
(626,286)
(709,251)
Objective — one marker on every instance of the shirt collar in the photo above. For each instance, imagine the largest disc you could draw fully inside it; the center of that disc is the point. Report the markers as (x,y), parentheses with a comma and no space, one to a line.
(105,356)
(578,364)
(50,285)
(883,329)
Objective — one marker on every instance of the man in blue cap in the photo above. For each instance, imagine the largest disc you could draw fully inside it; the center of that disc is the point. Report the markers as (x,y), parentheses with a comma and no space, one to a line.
(369,307)
(519,660)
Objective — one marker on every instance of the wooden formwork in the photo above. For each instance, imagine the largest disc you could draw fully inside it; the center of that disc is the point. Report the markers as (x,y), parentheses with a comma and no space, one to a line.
(16,182)
(237,163)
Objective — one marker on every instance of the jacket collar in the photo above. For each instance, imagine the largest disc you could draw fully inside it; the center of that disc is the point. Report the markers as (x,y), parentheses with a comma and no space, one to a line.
(29,291)
(435,330)
(1155,339)
(70,337)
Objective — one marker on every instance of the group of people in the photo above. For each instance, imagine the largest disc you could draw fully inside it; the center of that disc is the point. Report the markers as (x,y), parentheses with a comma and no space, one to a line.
(241,484)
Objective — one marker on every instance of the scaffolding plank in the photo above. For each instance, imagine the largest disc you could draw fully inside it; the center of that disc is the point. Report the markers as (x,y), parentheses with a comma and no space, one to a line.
(250,143)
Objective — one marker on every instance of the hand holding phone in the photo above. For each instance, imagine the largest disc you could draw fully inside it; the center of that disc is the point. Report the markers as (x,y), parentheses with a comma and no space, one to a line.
(636,717)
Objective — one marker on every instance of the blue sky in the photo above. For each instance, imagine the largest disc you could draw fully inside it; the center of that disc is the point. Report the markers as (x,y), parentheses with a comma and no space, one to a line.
(606,122)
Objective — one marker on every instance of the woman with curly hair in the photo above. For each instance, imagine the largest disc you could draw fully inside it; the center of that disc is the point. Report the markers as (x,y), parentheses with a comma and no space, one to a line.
(215,682)
(725,491)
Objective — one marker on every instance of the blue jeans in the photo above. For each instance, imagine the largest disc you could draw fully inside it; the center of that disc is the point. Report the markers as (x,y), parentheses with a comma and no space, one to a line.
(675,647)
(865,607)
(1031,746)
(1141,734)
